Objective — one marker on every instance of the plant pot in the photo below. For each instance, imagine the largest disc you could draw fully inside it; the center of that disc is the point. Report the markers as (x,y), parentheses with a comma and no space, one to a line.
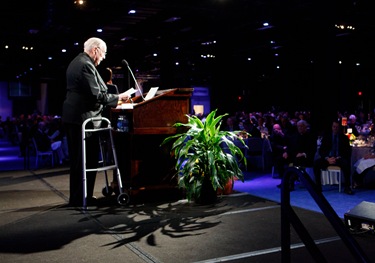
(228,189)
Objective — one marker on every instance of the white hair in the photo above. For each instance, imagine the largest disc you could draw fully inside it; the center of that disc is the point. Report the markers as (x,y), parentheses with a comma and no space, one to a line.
(94,42)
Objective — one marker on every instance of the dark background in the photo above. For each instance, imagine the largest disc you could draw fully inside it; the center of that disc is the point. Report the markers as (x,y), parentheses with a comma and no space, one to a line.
(301,61)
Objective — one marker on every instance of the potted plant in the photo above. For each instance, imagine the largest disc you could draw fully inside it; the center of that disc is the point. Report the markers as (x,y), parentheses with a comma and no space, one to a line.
(207,157)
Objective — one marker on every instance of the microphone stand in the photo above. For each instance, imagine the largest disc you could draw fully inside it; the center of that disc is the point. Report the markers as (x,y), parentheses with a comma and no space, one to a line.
(136,83)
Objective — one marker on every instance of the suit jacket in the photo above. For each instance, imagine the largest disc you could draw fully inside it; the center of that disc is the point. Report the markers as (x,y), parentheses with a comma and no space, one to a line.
(302,143)
(112,89)
(344,148)
(278,142)
(87,94)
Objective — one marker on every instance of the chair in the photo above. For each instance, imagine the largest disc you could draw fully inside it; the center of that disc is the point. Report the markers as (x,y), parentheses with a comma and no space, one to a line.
(257,148)
(331,175)
(42,154)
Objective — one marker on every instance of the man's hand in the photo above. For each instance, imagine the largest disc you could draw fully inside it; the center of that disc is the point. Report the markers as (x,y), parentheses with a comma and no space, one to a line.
(331,160)
(123,96)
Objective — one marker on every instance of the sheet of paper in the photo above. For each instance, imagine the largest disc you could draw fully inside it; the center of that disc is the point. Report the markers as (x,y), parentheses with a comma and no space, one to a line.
(130,91)
(151,93)
(125,106)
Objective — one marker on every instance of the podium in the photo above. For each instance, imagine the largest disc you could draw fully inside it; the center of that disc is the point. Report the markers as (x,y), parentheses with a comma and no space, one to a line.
(143,163)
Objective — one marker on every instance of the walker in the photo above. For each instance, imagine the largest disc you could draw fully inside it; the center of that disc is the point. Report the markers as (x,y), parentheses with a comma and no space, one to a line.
(123,196)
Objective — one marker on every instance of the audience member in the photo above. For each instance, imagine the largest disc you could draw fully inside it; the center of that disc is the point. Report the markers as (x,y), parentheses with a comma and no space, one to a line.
(352,124)
(56,132)
(334,150)
(231,124)
(362,118)
(45,143)
(262,127)
(301,147)
(251,129)
(279,142)
(286,126)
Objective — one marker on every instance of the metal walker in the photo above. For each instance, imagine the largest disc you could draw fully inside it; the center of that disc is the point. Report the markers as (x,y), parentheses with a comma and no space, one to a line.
(123,196)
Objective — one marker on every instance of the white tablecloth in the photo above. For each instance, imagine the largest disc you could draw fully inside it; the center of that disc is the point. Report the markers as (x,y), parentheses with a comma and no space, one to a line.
(358,153)
(362,164)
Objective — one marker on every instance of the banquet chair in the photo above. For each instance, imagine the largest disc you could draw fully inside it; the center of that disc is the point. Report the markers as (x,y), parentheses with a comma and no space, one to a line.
(40,155)
(331,175)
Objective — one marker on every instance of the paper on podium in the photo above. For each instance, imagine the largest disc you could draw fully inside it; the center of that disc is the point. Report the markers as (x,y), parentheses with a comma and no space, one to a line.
(125,106)
(130,91)
(151,93)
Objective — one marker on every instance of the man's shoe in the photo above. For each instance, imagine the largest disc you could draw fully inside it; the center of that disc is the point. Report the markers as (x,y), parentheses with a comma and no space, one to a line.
(348,191)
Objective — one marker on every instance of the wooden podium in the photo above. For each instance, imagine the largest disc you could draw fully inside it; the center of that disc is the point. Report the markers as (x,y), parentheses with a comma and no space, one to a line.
(143,163)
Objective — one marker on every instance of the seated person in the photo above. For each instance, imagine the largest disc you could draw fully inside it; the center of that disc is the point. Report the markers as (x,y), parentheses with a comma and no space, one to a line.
(301,148)
(231,124)
(45,143)
(334,150)
(262,127)
(278,141)
(56,133)
(251,128)
(352,124)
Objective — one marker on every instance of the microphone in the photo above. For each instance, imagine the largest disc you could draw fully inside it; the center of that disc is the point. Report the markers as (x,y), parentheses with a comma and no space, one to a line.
(131,72)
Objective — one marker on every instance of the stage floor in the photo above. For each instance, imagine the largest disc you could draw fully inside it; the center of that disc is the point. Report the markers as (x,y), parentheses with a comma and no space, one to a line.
(36,226)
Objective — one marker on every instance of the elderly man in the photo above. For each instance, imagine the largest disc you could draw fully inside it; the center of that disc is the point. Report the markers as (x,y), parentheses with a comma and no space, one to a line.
(301,148)
(86,96)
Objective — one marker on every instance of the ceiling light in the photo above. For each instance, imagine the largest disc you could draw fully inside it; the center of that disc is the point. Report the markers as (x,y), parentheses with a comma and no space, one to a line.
(79,2)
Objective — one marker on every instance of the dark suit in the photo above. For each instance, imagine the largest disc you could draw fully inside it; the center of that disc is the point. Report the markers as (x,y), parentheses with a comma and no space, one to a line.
(302,143)
(85,98)
(344,151)
(279,145)
(111,89)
